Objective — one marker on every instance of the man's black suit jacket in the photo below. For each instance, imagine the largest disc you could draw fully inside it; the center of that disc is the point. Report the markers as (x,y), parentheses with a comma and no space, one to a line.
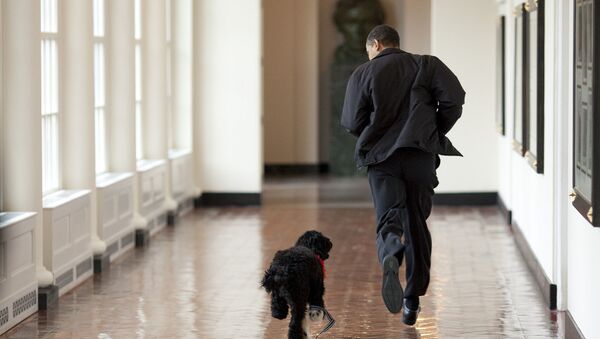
(400,100)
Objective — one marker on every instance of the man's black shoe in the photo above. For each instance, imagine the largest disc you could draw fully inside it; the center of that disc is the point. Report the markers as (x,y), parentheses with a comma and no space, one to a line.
(391,290)
(409,317)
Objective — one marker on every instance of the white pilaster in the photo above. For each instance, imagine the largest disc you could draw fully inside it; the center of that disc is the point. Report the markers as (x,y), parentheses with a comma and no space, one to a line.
(154,91)
(121,66)
(182,72)
(79,171)
(22,92)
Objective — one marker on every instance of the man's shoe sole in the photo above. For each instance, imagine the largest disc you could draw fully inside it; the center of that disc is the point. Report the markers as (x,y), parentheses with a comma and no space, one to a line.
(391,290)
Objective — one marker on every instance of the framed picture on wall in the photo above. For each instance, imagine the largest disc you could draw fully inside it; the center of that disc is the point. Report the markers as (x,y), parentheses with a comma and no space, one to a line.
(586,110)
(533,97)
(519,103)
(501,77)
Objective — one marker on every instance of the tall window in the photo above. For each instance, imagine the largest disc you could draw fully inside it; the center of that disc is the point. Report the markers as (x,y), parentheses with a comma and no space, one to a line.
(169,58)
(50,97)
(100,85)
(139,148)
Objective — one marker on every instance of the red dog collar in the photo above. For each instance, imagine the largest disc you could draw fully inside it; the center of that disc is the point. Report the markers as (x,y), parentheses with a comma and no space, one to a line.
(322,262)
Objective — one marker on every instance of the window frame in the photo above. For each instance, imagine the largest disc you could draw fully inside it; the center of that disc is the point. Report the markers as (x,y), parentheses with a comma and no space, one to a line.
(57,38)
(501,77)
(586,206)
(139,94)
(519,13)
(536,161)
(103,41)
(169,74)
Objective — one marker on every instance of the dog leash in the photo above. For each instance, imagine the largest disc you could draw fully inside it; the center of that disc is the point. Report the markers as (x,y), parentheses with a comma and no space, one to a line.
(330,320)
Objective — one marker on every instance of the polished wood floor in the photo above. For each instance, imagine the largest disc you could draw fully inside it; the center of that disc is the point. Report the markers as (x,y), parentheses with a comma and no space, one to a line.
(200,278)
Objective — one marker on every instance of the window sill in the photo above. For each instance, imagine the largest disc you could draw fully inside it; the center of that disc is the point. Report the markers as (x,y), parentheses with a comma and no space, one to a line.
(179,153)
(110,178)
(11,218)
(144,165)
(62,197)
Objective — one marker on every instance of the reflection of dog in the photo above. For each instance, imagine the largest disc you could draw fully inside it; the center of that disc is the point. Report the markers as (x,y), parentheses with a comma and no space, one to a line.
(295,279)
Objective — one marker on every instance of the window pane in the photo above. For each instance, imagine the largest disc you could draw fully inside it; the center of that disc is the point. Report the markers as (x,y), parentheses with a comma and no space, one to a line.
(137,19)
(50,155)
(99,75)
(168,19)
(99,18)
(100,118)
(533,76)
(49,110)
(99,111)
(49,16)
(49,76)
(139,148)
(138,73)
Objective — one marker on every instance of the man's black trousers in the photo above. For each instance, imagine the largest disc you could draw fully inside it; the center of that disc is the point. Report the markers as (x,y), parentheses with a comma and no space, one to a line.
(402,188)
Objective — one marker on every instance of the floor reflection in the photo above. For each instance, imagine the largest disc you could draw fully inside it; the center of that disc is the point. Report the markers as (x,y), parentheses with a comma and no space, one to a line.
(200,278)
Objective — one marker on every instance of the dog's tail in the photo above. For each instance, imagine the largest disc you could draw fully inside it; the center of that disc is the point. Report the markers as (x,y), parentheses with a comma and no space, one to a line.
(272,280)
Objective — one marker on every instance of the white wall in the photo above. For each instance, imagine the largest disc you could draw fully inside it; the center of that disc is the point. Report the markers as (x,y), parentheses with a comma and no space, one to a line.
(505,141)
(583,246)
(412,19)
(228,95)
(524,191)
(563,241)
(291,88)
(472,59)
(1,120)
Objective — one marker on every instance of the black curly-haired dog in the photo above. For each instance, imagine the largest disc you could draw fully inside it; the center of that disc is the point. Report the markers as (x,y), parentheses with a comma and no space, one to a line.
(295,280)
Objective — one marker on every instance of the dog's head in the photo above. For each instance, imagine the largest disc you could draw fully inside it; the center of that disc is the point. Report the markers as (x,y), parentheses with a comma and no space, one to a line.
(317,242)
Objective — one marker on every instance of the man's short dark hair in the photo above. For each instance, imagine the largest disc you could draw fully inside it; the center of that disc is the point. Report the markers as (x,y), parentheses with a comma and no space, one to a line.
(386,35)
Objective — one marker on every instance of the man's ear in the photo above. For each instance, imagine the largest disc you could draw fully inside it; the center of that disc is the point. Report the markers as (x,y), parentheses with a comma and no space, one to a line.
(377,45)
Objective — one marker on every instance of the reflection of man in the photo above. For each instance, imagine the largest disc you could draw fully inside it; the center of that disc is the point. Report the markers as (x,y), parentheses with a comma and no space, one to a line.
(400,106)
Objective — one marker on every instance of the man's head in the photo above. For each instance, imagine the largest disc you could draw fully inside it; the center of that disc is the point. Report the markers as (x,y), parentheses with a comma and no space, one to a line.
(380,38)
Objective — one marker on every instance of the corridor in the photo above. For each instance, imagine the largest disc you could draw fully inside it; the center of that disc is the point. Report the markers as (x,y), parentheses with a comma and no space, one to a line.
(199,279)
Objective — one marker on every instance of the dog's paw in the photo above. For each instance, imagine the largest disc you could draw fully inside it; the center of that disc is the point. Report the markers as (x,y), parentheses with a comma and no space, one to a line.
(279,314)
(315,315)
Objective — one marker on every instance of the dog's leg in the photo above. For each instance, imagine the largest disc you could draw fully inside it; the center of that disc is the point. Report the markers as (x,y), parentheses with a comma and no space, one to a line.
(279,306)
(317,290)
(296,329)
(305,328)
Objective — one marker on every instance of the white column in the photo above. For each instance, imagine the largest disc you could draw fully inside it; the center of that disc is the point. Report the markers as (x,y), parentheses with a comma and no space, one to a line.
(228,93)
(182,72)
(121,66)
(22,112)
(121,99)
(154,90)
(79,169)
(197,85)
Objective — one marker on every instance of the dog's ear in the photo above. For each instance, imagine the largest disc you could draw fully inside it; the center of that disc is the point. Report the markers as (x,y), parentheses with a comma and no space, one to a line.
(324,246)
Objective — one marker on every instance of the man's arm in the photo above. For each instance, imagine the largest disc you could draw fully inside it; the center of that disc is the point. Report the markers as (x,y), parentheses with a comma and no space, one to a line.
(356,111)
(448,92)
